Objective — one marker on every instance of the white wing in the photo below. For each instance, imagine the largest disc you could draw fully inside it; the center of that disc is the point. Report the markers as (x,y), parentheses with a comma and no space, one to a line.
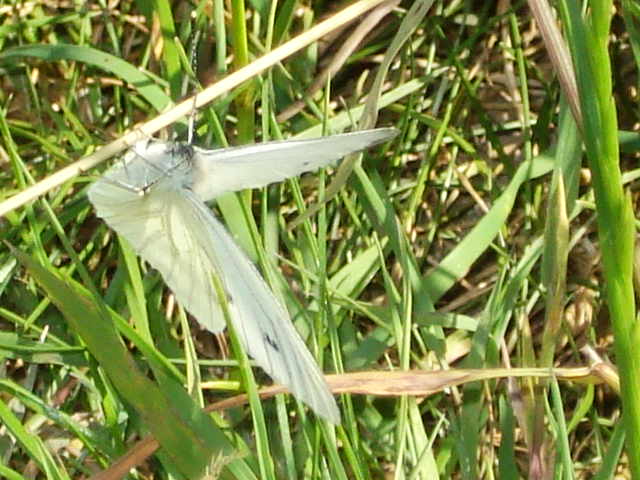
(262,323)
(179,236)
(154,225)
(230,169)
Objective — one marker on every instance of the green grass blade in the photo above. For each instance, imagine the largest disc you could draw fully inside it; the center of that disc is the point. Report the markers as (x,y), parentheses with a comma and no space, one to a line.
(189,437)
(616,223)
(32,444)
(109,63)
(458,261)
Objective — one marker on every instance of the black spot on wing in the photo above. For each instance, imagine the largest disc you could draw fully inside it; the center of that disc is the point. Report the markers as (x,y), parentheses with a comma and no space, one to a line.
(271,342)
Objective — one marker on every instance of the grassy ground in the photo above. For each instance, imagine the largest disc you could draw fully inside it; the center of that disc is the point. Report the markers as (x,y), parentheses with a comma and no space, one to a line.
(474,242)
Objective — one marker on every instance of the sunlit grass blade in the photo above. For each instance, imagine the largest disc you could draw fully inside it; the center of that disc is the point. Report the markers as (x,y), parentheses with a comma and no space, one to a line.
(189,437)
(590,38)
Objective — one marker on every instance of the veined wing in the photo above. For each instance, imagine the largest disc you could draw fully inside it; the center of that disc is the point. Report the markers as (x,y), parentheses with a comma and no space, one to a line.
(157,225)
(262,323)
(230,169)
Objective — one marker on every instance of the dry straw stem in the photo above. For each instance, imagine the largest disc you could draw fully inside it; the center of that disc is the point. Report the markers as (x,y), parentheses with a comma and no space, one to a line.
(558,53)
(185,107)
(419,383)
(342,55)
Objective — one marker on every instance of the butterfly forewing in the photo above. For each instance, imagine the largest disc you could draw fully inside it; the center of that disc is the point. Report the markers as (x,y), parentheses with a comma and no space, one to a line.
(253,166)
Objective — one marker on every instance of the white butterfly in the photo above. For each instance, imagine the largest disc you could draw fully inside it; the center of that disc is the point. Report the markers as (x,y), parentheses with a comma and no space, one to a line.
(155,199)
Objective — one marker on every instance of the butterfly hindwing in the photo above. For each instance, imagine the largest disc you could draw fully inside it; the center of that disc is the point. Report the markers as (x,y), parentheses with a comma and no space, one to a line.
(262,323)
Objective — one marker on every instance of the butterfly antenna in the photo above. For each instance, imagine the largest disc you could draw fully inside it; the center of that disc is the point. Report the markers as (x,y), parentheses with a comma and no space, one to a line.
(194,69)
(192,117)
